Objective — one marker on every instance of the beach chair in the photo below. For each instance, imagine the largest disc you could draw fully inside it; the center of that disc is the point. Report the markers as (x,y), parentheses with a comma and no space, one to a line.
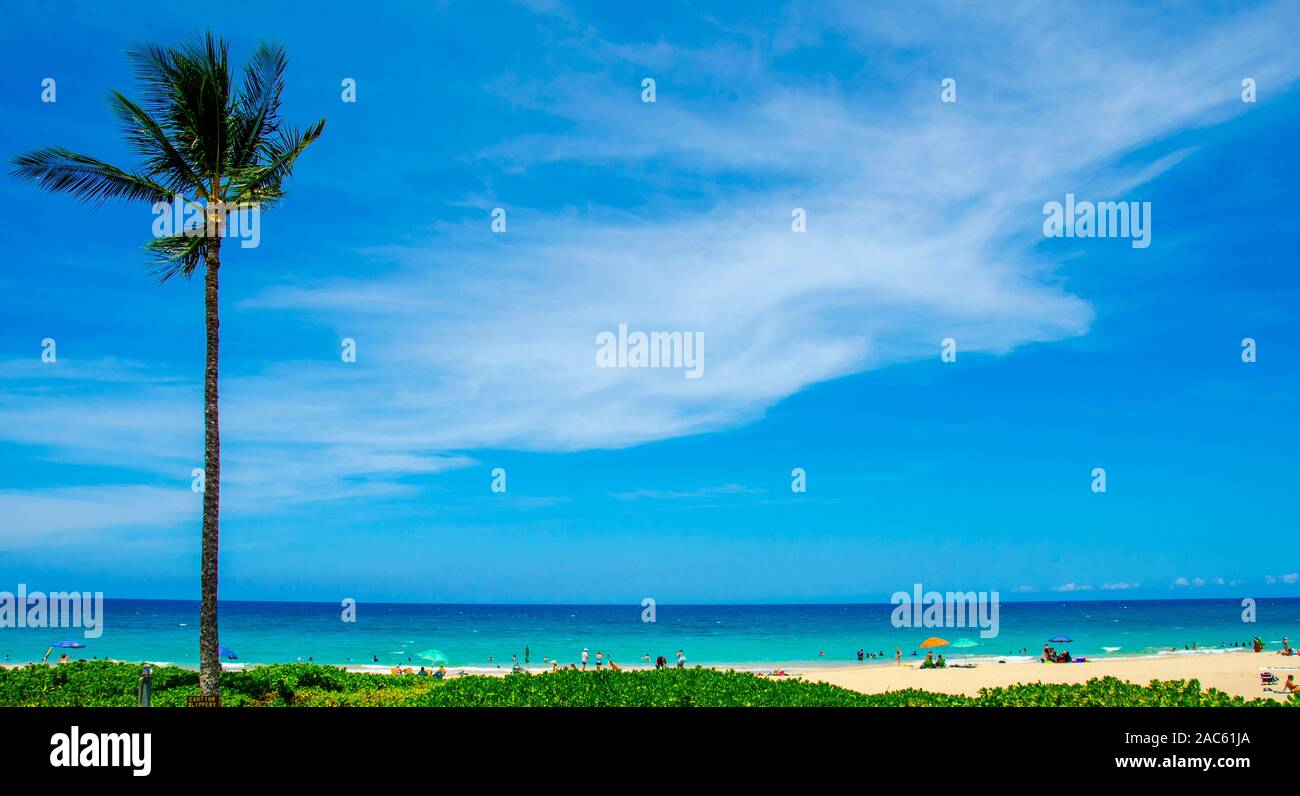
(1267,679)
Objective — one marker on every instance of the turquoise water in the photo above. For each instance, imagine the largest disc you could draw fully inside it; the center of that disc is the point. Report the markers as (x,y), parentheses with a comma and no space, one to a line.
(268,632)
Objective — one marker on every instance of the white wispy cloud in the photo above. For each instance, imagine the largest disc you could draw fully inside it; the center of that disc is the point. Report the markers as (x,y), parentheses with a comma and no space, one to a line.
(101,515)
(1198,582)
(1122,585)
(701,492)
(923,223)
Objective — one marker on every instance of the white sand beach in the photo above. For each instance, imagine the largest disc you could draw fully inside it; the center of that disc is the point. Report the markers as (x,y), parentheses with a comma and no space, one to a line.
(1236,673)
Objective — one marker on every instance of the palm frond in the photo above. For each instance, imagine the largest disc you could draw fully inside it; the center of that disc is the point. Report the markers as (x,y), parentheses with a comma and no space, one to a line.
(176,255)
(261,183)
(200,139)
(187,91)
(256,114)
(148,138)
(61,170)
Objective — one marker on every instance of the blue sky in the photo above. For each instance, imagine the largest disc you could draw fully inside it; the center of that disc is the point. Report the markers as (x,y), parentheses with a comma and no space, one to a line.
(476,350)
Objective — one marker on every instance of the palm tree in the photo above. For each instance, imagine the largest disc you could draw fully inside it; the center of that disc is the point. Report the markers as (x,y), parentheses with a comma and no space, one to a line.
(218,148)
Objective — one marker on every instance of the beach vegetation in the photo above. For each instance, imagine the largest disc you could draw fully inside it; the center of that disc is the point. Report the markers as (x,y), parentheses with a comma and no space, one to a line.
(105,684)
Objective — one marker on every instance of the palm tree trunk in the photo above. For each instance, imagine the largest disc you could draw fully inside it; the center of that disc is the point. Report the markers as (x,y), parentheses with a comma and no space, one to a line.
(209,659)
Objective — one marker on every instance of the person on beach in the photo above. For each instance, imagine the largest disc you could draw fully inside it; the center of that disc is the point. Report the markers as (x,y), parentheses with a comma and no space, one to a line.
(681,659)
(898,655)
(584,659)
(441,673)
(600,656)
(525,654)
(1290,685)
(859,656)
(661,662)
(928,663)
(555,665)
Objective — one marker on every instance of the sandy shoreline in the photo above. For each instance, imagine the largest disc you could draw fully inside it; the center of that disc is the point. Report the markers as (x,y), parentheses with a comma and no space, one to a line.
(1236,672)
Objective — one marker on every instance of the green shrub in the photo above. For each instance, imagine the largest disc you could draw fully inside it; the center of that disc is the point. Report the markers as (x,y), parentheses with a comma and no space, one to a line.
(104,684)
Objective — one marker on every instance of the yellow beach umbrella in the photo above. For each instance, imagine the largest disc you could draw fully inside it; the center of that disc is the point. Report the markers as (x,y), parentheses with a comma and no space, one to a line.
(933,641)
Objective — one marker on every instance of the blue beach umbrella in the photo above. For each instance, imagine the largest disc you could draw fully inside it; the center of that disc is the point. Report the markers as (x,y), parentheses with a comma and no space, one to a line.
(1060,639)
(226,652)
(69,645)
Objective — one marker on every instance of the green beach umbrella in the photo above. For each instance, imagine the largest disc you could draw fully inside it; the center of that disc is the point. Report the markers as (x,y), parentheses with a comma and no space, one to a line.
(965,643)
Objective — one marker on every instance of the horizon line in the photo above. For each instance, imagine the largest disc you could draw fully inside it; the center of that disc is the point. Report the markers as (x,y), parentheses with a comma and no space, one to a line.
(687,604)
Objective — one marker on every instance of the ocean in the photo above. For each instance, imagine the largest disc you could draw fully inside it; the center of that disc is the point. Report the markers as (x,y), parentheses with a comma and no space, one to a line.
(479,637)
